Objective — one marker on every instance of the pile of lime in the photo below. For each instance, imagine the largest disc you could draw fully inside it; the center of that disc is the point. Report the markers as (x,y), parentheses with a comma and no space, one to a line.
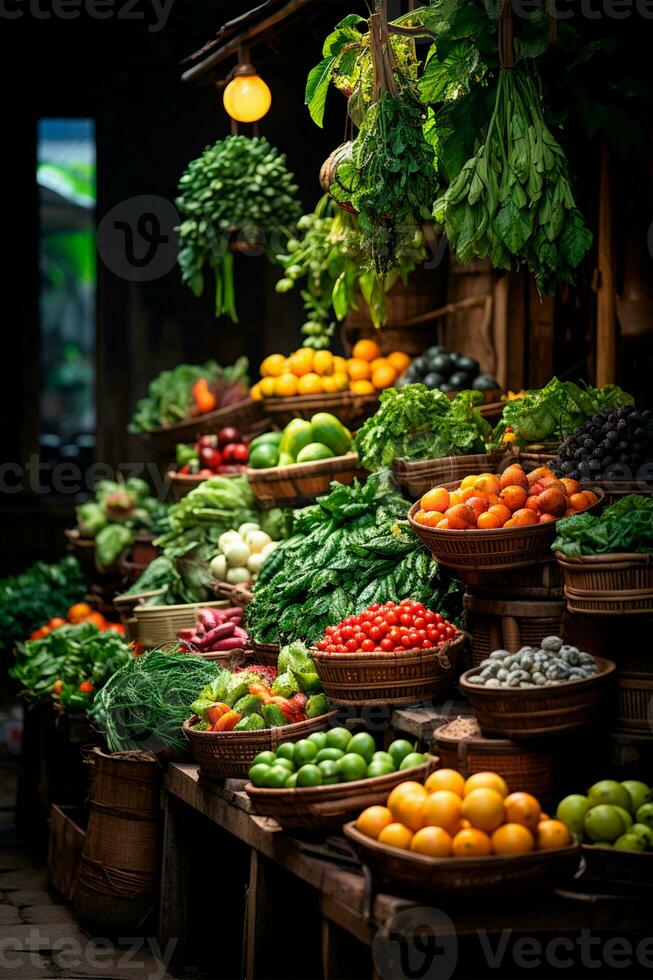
(327,758)
(611,814)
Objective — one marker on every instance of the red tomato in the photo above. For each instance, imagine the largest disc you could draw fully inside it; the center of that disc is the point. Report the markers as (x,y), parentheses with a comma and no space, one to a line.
(387,644)
(228,435)
(367,646)
(351,645)
(419,622)
(375,633)
(405,641)
(240,453)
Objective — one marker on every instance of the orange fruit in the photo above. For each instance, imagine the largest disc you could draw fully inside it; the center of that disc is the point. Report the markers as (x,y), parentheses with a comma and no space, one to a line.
(430,518)
(285,386)
(384,377)
(509,523)
(399,360)
(341,379)
(523,517)
(358,369)
(487,521)
(366,349)
(323,362)
(310,384)
(446,779)
(460,516)
(464,824)
(532,503)
(255,392)
(435,499)
(301,362)
(591,497)
(471,843)
(362,387)
(539,473)
(523,808)
(512,838)
(442,809)
(478,504)
(330,383)
(410,786)
(268,386)
(571,486)
(484,809)
(408,809)
(396,835)
(501,511)
(455,497)
(546,518)
(579,500)
(468,481)
(378,362)
(513,497)
(514,476)
(551,834)
(486,780)
(373,819)
(339,363)
(486,484)
(433,841)
(544,816)
(443,524)
(552,501)
(273,366)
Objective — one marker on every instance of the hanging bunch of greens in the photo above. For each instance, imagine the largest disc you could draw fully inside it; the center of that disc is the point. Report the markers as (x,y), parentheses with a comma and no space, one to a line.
(239,184)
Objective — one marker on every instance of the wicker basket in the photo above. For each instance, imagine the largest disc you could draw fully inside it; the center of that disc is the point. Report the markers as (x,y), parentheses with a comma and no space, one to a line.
(525,769)
(389,678)
(67,833)
(351,409)
(611,584)
(222,755)
(84,551)
(125,606)
(265,653)
(246,415)
(326,808)
(627,870)
(415,478)
(502,548)
(542,581)
(633,709)
(300,483)
(497,624)
(615,489)
(160,624)
(179,484)
(525,713)
(494,876)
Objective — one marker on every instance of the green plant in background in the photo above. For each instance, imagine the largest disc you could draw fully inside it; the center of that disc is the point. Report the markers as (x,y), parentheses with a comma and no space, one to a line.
(238,184)
(36,595)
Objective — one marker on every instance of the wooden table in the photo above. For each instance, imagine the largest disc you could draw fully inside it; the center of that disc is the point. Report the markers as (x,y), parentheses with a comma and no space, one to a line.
(347,904)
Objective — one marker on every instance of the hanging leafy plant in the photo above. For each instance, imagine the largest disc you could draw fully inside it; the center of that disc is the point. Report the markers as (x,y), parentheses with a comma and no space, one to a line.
(238,184)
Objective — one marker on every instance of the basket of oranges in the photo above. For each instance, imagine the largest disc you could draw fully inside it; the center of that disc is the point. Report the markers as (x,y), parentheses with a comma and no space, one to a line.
(310,381)
(471,837)
(498,521)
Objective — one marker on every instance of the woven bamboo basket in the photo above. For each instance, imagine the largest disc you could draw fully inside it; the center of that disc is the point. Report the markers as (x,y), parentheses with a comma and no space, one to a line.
(351,409)
(222,755)
(497,875)
(389,678)
(502,548)
(525,713)
(633,708)
(615,489)
(300,483)
(160,624)
(265,653)
(525,769)
(322,809)
(246,415)
(542,581)
(66,840)
(611,584)
(415,478)
(627,870)
(497,624)
(180,484)
(125,605)
(114,900)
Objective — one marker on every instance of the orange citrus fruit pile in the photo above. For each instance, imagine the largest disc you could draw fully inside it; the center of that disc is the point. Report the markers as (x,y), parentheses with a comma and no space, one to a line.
(509,499)
(311,372)
(450,816)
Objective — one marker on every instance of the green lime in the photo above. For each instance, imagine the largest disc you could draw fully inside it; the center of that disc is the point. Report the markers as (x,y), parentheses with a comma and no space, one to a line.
(275,777)
(604,822)
(338,738)
(329,754)
(645,814)
(383,757)
(413,759)
(304,751)
(611,792)
(330,771)
(379,767)
(626,817)
(629,842)
(643,832)
(398,750)
(286,763)
(362,744)
(309,775)
(257,774)
(640,793)
(352,766)
(265,758)
(285,750)
(572,811)
(320,739)
(291,782)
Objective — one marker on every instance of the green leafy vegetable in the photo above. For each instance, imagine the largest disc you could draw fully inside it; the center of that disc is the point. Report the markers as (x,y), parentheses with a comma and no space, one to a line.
(42,591)
(625,526)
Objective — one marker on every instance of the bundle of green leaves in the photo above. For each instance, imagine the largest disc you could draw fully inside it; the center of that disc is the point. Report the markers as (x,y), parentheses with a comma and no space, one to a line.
(414,423)
(36,595)
(624,526)
(238,184)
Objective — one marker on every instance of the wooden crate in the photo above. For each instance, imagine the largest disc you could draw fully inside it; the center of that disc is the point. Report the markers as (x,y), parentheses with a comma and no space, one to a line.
(67,834)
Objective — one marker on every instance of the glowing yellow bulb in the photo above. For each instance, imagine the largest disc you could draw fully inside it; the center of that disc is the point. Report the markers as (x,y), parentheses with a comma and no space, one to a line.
(247,98)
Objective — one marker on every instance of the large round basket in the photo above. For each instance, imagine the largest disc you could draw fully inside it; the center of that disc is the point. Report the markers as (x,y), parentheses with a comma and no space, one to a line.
(125,606)
(531,770)
(494,876)
(246,415)
(265,653)
(160,624)
(389,678)
(222,755)
(630,871)
(497,624)
(502,548)
(611,584)
(300,483)
(538,712)
(182,483)
(542,581)
(351,409)
(415,478)
(321,809)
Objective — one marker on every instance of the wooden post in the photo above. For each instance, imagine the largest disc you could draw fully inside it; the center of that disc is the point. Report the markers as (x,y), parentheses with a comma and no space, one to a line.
(606,315)
(173,904)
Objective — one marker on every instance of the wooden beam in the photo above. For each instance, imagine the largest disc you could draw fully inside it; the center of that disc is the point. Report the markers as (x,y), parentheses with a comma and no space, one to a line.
(606,309)
(230,49)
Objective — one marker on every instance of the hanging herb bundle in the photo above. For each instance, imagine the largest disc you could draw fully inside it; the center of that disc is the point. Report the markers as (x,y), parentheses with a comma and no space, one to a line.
(238,184)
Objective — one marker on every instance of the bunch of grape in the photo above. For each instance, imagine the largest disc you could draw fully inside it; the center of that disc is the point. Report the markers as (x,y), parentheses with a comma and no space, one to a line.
(615,444)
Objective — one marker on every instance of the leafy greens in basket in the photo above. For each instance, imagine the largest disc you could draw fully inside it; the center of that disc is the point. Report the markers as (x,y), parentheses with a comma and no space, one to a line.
(625,526)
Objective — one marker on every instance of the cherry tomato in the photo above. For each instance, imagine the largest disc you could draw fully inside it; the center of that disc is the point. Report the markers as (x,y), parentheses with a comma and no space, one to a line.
(432,634)
(226,436)
(450,631)
(322,645)
(351,645)
(387,644)
(406,619)
(367,646)
(375,633)
(426,644)
(359,637)
(405,602)
(439,618)
(405,642)
(375,607)
(419,622)
(346,633)
(429,616)
(392,617)
(414,638)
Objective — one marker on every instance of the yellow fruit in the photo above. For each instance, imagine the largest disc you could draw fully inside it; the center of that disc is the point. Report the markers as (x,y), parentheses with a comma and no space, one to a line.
(341,379)
(330,383)
(372,820)
(396,835)
(445,779)
(379,362)
(256,393)
(471,843)
(433,841)
(339,363)
(512,838)
(285,386)
(267,386)
(484,809)
(442,809)
(399,360)
(301,362)
(366,349)
(358,369)
(273,366)
(323,362)
(492,780)
(362,387)
(310,384)
(408,809)
(410,786)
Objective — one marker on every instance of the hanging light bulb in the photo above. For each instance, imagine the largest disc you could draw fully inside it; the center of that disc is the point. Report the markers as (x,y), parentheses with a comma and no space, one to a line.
(246,98)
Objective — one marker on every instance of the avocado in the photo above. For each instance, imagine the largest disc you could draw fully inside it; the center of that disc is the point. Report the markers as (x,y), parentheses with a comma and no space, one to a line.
(442,364)
(314,452)
(459,380)
(264,455)
(330,431)
(485,383)
(468,365)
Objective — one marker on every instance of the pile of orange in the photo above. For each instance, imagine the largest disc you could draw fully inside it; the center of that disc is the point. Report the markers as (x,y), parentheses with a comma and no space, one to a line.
(510,499)
(450,816)
(311,372)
